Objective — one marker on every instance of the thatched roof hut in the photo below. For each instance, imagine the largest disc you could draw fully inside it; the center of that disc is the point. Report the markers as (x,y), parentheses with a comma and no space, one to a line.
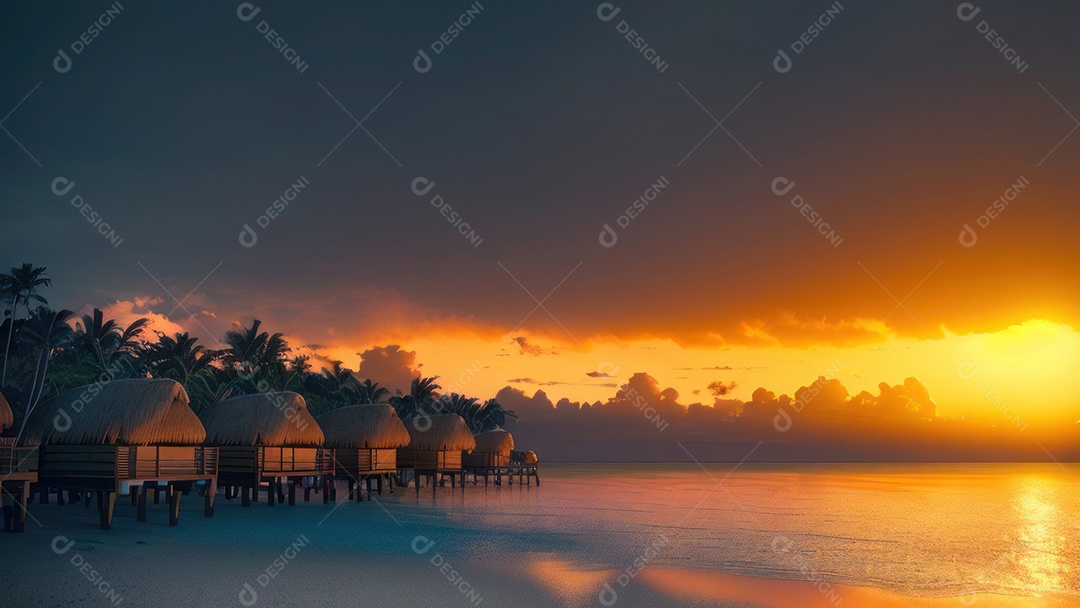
(497,441)
(369,426)
(6,417)
(446,432)
(122,412)
(267,419)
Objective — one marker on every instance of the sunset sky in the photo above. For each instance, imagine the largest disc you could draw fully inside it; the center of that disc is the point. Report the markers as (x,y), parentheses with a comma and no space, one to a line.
(539,125)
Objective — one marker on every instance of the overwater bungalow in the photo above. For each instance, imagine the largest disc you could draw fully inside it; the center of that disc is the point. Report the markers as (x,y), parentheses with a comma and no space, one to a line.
(365,440)
(491,456)
(525,466)
(435,447)
(266,438)
(18,469)
(132,434)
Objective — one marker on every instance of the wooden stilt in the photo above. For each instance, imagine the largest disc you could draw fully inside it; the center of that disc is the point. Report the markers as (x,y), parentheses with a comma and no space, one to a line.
(292,493)
(211,492)
(270,493)
(106,503)
(326,490)
(174,505)
(140,498)
(19,516)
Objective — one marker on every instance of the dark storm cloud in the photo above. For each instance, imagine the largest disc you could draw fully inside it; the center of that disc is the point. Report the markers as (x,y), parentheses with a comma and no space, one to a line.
(538,124)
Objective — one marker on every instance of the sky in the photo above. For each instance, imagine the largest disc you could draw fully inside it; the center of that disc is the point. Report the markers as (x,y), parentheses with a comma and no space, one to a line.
(563,196)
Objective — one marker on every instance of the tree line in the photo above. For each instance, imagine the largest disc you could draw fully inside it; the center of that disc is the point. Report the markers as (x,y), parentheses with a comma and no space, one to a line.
(46,352)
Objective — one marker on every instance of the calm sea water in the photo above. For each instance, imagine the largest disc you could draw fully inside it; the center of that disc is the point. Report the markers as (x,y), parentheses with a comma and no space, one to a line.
(917,529)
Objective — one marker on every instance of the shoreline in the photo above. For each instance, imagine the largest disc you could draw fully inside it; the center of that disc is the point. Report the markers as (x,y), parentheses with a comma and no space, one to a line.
(338,555)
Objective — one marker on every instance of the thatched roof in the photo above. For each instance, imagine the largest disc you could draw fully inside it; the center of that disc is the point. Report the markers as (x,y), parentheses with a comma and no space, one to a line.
(446,432)
(268,419)
(374,425)
(6,417)
(128,412)
(497,441)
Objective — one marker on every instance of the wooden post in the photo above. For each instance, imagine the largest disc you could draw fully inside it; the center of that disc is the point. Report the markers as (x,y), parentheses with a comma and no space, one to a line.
(211,492)
(157,494)
(270,492)
(245,496)
(106,502)
(326,490)
(292,493)
(140,497)
(20,507)
(352,489)
(174,505)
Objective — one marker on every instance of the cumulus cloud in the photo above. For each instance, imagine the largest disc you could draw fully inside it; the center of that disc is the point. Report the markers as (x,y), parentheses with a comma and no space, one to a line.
(127,311)
(822,421)
(528,348)
(390,366)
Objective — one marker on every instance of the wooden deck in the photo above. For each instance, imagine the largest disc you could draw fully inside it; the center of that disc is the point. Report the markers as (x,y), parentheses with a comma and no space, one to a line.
(18,469)
(436,465)
(104,469)
(361,466)
(243,470)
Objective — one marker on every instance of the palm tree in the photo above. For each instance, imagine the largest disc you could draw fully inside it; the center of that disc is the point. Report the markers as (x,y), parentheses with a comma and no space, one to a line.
(47,330)
(298,368)
(108,341)
(342,379)
(423,390)
(179,357)
(480,417)
(22,285)
(370,392)
(252,353)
